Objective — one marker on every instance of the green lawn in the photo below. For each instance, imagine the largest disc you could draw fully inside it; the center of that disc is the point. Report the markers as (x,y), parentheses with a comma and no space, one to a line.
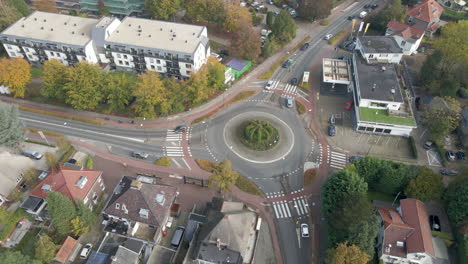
(381,197)
(28,243)
(379,115)
(8,221)
(36,71)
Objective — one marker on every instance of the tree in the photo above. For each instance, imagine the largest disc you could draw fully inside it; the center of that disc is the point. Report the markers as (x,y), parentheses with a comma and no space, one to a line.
(270,18)
(313,9)
(246,42)
(269,47)
(162,9)
(426,186)
(51,160)
(15,73)
(15,195)
(340,185)
(441,117)
(54,80)
(78,227)
(102,9)
(61,211)
(223,176)
(346,254)
(45,249)
(11,128)
(85,214)
(284,28)
(63,144)
(203,11)
(197,88)
(150,95)
(350,211)
(453,44)
(215,74)
(364,233)
(118,90)
(178,99)
(46,6)
(16,257)
(84,86)
(456,201)
(30,176)
(235,15)
(393,11)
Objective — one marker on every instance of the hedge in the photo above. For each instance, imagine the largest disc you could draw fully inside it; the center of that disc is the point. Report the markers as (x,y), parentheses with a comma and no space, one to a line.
(67,154)
(42,112)
(89,162)
(53,134)
(414,150)
(39,142)
(337,37)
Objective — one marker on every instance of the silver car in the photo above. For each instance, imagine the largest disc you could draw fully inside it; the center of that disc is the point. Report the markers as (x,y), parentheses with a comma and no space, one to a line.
(140,154)
(32,154)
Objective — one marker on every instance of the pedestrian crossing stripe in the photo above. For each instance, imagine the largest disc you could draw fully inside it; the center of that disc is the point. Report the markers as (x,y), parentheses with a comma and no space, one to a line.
(337,160)
(281,209)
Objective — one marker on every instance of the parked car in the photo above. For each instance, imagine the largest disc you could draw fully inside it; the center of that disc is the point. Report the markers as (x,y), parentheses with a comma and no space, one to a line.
(177,237)
(180,129)
(448,172)
(270,2)
(434,222)
(32,154)
(429,144)
(289,102)
(450,155)
(140,154)
(286,63)
(363,14)
(417,103)
(331,130)
(86,251)
(374,6)
(460,155)
(351,17)
(293,81)
(216,55)
(269,85)
(328,36)
(304,230)
(354,158)
(349,104)
(332,119)
(285,6)
(305,46)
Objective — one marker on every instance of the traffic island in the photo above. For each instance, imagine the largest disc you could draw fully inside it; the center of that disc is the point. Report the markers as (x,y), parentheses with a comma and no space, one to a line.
(259,135)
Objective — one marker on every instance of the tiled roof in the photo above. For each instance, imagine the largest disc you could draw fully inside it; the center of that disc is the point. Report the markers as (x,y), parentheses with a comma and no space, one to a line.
(428,11)
(404,30)
(395,230)
(64,180)
(156,198)
(414,213)
(66,250)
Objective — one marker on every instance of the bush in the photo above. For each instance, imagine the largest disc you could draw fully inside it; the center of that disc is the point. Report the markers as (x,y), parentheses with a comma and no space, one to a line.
(89,162)
(257,20)
(414,150)
(258,135)
(205,165)
(67,154)
(301,109)
(463,93)
(452,15)
(248,186)
(324,22)
(164,161)
(337,37)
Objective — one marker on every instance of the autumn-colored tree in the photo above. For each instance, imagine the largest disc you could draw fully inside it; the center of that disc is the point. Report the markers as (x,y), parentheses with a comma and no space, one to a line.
(441,117)
(246,42)
(426,186)
(51,160)
(215,74)
(45,249)
(235,16)
(78,227)
(150,95)
(30,176)
(45,5)
(223,176)
(197,86)
(15,73)
(63,144)
(117,90)
(203,11)
(84,86)
(162,9)
(54,80)
(453,43)
(8,14)
(346,254)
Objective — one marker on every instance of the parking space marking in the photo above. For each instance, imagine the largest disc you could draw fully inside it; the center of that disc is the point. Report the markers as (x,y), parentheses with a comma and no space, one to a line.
(433,158)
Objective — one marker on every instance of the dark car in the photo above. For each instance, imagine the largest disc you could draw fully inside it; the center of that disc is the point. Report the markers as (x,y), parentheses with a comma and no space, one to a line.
(140,154)
(449,172)
(354,158)
(450,155)
(224,53)
(180,129)
(367,6)
(293,81)
(374,6)
(434,222)
(460,155)
(429,144)
(351,17)
(286,63)
(331,130)
(305,46)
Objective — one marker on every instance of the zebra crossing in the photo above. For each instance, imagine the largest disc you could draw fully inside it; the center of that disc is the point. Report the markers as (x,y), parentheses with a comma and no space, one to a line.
(282,208)
(289,90)
(337,160)
(171,135)
(286,89)
(175,139)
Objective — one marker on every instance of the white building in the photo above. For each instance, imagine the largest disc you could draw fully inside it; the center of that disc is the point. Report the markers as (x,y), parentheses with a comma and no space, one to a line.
(133,44)
(11,174)
(407,37)
(379,49)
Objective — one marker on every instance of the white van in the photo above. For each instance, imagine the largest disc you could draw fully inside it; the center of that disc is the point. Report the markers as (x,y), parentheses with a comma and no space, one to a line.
(363,14)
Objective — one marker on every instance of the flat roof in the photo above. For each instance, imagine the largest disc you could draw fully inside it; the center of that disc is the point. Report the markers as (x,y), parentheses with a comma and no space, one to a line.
(378,81)
(52,27)
(335,70)
(379,44)
(158,35)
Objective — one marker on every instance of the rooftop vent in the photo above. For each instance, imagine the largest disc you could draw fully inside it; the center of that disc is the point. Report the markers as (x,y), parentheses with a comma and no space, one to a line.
(373,87)
(51,29)
(45,20)
(170,30)
(400,243)
(174,35)
(139,26)
(160,199)
(193,33)
(22,25)
(172,39)
(35,19)
(65,23)
(129,25)
(42,27)
(81,182)
(74,25)
(82,34)
(46,188)
(117,31)
(149,36)
(186,41)
(160,29)
(73,32)
(139,30)
(144,213)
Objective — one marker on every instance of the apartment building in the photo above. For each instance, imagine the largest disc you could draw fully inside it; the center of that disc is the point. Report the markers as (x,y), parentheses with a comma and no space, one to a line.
(379,49)
(115,7)
(134,44)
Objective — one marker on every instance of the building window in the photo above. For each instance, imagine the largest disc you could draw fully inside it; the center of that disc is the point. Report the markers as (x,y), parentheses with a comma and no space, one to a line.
(9,47)
(159,68)
(369,129)
(378,130)
(99,179)
(120,62)
(371,56)
(158,61)
(387,131)
(125,56)
(126,63)
(188,66)
(403,43)
(117,206)
(152,67)
(361,128)
(30,56)
(189,72)
(85,201)
(119,56)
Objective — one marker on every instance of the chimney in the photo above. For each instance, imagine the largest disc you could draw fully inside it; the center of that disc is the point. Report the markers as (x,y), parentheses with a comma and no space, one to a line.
(218,243)
(392,91)
(383,68)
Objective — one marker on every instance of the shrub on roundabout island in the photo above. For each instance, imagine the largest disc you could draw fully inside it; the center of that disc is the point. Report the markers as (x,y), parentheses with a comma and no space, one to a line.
(259,135)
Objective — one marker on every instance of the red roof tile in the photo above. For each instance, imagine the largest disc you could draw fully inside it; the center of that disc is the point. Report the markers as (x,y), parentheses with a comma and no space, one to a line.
(66,250)
(428,11)
(404,30)
(64,181)
(414,213)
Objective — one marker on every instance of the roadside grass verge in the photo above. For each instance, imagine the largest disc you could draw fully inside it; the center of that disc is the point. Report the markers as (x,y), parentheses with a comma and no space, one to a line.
(9,220)
(239,97)
(304,86)
(269,73)
(309,176)
(301,109)
(48,133)
(39,143)
(42,112)
(324,22)
(164,161)
(337,37)
(242,182)
(89,162)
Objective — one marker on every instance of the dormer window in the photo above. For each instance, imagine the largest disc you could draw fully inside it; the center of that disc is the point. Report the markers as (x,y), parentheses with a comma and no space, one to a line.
(81,182)
(117,206)
(144,213)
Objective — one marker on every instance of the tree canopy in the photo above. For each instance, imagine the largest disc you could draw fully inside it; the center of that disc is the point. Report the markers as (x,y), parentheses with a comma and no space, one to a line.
(54,80)
(441,117)
(16,257)
(61,211)
(346,254)
(246,42)
(426,186)
(313,9)
(15,73)
(456,201)
(45,249)
(150,93)
(284,28)
(84,86)
(393,11)
(11,128)
(223,176)
(162,9)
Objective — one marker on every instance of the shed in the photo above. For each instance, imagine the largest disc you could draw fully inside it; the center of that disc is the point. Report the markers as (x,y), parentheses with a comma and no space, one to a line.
(239,66)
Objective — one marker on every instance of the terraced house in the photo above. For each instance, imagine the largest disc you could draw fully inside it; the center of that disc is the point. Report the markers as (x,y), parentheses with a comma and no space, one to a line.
(134,44)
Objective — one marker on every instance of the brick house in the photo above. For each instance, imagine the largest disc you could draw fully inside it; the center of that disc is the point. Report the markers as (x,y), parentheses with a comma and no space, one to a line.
(407,36)
(425,16)
(74,182)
